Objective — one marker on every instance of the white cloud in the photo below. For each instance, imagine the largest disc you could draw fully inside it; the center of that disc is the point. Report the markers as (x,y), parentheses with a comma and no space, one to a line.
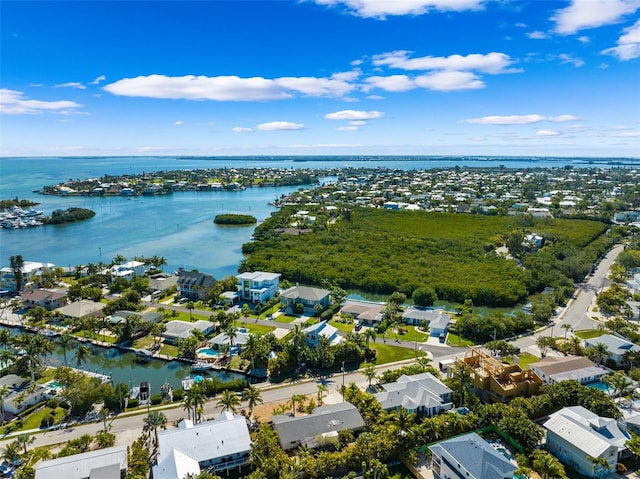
(357,122)
(493,62)
(581,14)
(566,58)
(179,122)
(347,128)
(279,125)
(628,44)
(389,83)
(381,9)
(354,115)
(375,97)
(231,88)
(449,81)
(519,119)
(584,39)
(240,129)
(72,84)
(13,102)
(548,133)
(99,79)
(537,35)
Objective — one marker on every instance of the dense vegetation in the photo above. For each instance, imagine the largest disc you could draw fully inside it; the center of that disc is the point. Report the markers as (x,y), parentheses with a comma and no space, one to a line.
(231,219)
(70,215)
(6,204)
(382,251)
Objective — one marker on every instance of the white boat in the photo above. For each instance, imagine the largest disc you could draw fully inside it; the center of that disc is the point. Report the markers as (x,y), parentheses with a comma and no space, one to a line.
(201,366)
(187,383)
(134,392)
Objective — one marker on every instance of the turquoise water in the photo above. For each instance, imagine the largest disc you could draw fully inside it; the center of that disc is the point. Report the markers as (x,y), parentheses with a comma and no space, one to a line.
(207,352)
(599,385)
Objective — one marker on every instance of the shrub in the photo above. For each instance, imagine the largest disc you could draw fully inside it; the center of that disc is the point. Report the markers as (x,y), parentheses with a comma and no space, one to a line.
(135,402)
(156,399)
(47,421)
(53,403)
(178,395)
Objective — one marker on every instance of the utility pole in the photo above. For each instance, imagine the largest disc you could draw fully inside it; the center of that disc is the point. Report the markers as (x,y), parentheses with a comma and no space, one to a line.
(342,381)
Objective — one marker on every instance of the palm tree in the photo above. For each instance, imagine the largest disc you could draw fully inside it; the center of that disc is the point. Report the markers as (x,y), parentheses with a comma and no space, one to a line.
(299,399)
(600,352)
(403,419)
(82,354)
(324,344)
(4,390)
(5,338)
(369,372)
(462,373)
(253,397)
(228,400)
(370,335)
(548,466)
(11,452)
(566,328)
(190,306)
(25,440)
(152,422)
(298,337)
(251,347)
(64,341)
(322,388)
(231,332)
(196,397)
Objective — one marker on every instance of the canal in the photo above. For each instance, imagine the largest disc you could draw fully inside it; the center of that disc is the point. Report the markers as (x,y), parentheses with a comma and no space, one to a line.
(123,367)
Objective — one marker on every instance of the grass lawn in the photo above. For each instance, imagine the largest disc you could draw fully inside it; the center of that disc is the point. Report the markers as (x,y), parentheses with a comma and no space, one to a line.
(144,342)
(33,420)
(525,359)
(187,318)
(455,340)
(345,327)
(48,375)
(169,349)
(266,314)
(390,354)
(411,334)
(99,337)
(285,318)
(588,333)
(256,328)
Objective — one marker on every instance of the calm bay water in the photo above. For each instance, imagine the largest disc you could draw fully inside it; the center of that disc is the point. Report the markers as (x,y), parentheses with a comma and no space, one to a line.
(178,227)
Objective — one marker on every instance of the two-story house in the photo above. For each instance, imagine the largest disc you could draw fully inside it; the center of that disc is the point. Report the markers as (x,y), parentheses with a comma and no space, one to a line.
(258,286)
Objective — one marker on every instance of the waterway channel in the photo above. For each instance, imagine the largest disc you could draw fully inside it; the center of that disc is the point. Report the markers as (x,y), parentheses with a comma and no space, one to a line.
(122,366)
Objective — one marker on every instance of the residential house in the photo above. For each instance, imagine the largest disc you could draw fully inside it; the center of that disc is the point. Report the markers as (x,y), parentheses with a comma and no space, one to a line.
(553,369)
(469,457)
(617,346)
(219,446)
(498,382)
(162,281)
(258,286)
(194,285)
(308,297)
(576,435)
(240,339)
(364,312)
(321,425)
(175,465)
(437,320)
(634,284)
(127,270)
(423,394)
(82,308)
(322,329)
(108,463)
(44,298)
(30,272)
(177,329)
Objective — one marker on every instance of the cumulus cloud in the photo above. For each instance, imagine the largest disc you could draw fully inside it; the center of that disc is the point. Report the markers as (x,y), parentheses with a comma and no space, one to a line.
(279,125)
(232,88)
(537,35)
(493,62)
(519,119)
(566,58)
(72,84)
(381,9)
(628,46)
(354,115)
(582,14)
(347,128)
(449,80)
(393,83)
(13,102)
(240,129)
(548,133)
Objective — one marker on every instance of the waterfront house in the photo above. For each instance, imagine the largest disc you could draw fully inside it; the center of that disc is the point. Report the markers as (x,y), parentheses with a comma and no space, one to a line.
(575,435)
(553,369)
(193,285)
(422,394)
(314,332)
(239,339)
(221,445)
(44,298)
(308,297)
(177,329)
(162,281)
(437,320)
(498,382)
(469,457)
(82,308)
(617,346)
(175,465)
(20,398)
(30,272)
(364,312)
(127,270)
(258,286)
(313,430)
(108,463)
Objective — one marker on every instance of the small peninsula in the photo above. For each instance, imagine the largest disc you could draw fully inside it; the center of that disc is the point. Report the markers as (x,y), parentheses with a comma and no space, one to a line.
(234,219)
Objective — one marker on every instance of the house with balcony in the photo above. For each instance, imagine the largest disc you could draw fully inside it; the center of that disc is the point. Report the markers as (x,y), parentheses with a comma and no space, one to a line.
(469,457)
(194,285)
(44,298)
(316,331)
(617,346)
(308,298)
(258,286)
(498,382)
(222,446)
(422,394)
(31,270)
(127,270)
(576,436)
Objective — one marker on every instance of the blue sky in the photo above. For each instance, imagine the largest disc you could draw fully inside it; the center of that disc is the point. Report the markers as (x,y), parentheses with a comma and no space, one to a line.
(320,77)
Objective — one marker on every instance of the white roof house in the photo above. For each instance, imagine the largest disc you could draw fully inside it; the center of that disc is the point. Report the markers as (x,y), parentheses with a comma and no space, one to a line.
(579,368)
(575,434)
(30,269)
(221,444)
(175,465)
(421,393)
(315,331)
(108,463)
(182,329)
(258,286)
(616,346)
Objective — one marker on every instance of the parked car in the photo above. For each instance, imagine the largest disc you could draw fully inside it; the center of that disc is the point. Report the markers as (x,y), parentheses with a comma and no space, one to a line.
(6,470)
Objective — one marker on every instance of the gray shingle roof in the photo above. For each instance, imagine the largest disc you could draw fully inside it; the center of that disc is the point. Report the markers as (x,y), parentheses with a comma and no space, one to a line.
(305,292)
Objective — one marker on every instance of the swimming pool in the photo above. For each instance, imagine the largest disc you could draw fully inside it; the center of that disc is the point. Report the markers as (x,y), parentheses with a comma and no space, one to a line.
(601,386)
(207,353)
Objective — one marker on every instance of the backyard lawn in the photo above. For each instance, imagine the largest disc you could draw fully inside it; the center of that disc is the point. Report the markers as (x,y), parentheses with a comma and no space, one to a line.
(345,327)
(455,340)
(588,333)
(390,354)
